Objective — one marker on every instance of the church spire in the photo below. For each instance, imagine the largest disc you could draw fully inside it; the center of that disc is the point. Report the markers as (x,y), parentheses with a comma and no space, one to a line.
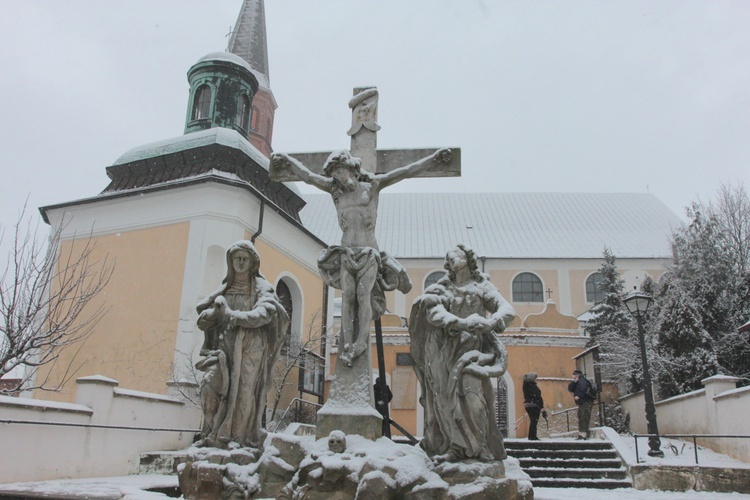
(248,40)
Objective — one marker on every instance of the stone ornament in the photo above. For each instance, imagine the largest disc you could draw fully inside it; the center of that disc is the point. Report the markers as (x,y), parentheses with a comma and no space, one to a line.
(456,352)
(337,442)
(244,325)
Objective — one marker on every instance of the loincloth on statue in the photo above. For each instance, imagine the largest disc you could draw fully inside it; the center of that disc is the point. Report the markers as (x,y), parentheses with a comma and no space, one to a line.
(391,275)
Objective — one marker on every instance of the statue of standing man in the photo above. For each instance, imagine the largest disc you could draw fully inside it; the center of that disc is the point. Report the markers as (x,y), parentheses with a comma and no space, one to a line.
(357,267)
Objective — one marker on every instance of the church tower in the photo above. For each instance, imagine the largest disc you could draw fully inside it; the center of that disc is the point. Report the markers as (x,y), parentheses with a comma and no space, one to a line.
(248,41)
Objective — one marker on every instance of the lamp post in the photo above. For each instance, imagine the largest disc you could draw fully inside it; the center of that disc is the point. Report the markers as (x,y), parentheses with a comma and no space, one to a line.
(638,303)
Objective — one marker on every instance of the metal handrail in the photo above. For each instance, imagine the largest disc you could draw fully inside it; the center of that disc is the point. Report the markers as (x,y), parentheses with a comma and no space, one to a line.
(298,400)
(693,436)
(96,426)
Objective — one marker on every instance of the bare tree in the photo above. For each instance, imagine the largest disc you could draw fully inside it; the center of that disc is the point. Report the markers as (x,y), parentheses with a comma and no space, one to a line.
(291,359)
(45,294)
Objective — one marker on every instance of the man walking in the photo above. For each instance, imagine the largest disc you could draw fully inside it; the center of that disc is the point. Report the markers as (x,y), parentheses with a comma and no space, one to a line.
(580,386)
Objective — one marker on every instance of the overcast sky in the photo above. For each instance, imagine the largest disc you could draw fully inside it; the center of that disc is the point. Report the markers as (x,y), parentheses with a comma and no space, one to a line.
(585,96)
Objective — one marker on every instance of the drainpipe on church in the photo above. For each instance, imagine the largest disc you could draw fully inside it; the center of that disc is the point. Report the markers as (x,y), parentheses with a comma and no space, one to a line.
(260,222)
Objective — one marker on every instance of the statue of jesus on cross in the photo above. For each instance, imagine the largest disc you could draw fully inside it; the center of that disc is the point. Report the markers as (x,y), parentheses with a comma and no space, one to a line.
(357,267)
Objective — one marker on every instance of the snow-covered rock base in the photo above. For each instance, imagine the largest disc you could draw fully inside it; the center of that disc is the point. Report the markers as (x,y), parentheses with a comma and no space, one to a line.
(300,467)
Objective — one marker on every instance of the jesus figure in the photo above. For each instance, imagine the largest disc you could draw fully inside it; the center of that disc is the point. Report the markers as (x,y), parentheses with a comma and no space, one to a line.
(357,267)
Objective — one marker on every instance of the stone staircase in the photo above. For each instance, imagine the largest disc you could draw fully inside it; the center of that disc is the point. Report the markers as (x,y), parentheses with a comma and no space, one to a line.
(567,463)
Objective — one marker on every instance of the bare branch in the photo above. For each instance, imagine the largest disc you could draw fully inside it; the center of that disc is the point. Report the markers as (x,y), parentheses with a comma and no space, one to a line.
(45,302)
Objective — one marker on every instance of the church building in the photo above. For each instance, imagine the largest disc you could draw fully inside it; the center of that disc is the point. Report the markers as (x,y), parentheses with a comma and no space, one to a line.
(172,208)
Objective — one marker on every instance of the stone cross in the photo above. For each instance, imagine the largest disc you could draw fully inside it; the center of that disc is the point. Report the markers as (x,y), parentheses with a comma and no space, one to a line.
(349,407)
(363,132)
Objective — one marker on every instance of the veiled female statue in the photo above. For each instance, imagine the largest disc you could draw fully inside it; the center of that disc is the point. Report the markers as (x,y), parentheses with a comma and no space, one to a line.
(244,325)
(456,353)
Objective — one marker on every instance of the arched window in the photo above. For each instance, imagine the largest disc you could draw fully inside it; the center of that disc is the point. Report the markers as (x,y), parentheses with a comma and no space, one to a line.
(285,297)
(243,112)
(268,126)
(527,287)
(202,102)
(593,292)
(433,278)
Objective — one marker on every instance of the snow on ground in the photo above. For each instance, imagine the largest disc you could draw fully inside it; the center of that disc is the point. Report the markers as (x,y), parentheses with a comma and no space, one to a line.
(97,488)
(629,494)
(676,452)
(680,453)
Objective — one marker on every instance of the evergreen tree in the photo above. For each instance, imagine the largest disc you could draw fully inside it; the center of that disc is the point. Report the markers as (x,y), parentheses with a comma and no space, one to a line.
(684,351)
(611,327)
(609,316)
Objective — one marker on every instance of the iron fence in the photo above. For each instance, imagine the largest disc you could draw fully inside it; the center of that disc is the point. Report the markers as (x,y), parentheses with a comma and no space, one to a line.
(694,437)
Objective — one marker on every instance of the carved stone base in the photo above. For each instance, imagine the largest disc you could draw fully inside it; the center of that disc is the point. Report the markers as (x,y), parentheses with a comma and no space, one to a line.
(367,426)
(212,473)
(293,467)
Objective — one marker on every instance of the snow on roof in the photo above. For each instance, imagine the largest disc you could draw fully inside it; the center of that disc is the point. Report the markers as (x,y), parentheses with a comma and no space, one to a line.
(239,61)
(511,225)
(217,135)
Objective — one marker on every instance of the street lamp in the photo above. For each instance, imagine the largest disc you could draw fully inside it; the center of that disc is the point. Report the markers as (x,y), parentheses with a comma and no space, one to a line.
(638,303)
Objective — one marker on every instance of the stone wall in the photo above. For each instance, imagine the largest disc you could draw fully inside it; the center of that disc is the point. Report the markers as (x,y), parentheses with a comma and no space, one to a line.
(719,408)
(43,451)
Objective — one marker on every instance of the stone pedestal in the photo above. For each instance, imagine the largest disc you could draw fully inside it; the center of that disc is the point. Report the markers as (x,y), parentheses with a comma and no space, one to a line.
(302,467)
(350,405)
(367,426)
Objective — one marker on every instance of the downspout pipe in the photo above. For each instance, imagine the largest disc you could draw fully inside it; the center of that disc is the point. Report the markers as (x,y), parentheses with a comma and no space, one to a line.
(260,221)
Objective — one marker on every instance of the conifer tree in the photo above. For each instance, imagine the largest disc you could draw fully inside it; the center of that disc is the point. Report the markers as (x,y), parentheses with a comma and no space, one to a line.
(611,328)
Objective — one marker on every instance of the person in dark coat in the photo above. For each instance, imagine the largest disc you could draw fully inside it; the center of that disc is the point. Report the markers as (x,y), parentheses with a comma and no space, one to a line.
(533,402)
(579,388)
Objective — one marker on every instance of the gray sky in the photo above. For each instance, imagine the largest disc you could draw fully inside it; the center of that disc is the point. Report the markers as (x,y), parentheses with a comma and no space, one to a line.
(585,96)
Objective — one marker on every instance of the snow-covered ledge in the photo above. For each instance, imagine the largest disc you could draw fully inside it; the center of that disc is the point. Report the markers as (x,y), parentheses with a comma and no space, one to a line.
(43,450)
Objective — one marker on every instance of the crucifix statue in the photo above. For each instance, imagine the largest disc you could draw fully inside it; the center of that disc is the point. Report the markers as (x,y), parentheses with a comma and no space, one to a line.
(357,266)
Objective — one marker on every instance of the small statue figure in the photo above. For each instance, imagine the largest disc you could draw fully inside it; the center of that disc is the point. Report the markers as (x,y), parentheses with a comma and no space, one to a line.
(244,325)
(456,352)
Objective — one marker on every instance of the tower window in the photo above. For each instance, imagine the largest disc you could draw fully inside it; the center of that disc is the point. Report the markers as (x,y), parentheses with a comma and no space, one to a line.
(254,122)
(593,292)
(243,113)
(527,287)
(202,102)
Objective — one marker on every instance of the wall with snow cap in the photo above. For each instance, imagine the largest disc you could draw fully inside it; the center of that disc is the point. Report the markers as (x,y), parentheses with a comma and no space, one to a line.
(719,408)
(42,452)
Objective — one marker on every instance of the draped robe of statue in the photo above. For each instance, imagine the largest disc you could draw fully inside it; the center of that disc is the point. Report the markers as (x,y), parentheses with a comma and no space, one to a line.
(239,353)
(454,367)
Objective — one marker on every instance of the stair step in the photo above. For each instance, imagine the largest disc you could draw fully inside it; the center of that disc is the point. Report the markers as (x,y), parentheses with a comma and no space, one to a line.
(574,454)
(570,463)
(620,473)
(160,462)
(606,484)
(558,445)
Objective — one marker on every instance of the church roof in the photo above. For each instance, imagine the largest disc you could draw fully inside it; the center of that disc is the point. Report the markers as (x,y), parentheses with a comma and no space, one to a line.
(207,152)
(248,39)
(511,225)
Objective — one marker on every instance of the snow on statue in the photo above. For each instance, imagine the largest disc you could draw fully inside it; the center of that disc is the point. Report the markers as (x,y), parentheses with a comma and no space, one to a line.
(358,268)
(456,352)
(244,325)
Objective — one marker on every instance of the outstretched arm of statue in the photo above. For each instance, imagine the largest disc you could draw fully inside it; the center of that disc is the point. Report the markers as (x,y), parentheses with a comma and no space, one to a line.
(283,163)
(440,156)
(255,318)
